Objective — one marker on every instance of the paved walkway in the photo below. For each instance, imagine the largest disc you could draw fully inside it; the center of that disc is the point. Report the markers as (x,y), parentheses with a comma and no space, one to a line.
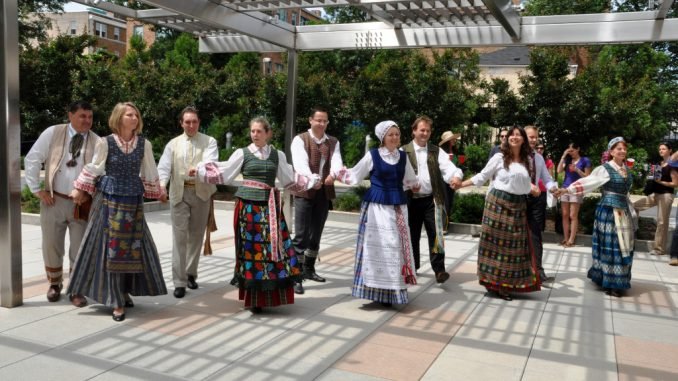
(571,331)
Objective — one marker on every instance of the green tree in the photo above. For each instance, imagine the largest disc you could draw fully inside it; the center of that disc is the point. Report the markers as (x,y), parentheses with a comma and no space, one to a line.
(33,22)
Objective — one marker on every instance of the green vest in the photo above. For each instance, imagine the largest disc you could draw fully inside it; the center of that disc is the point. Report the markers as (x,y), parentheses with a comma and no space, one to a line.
(434,173)
(263,171)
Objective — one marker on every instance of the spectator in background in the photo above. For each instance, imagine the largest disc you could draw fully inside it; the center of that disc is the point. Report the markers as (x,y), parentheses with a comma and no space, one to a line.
(575,167)
(502,140)
(448,142)
(550,166)
(662,186)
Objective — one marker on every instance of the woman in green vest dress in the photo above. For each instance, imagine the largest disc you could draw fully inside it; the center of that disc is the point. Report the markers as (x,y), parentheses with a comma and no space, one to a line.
(266,266)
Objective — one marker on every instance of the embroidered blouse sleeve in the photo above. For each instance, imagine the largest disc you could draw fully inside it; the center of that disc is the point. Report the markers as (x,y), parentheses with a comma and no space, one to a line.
(353,176)
(221,172)
(289,179)
(87,179)
(596,179)
(149,174)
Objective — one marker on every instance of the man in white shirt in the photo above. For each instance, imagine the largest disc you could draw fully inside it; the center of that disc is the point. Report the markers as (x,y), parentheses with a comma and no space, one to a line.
(189,200)
(427,207)
(64,149)
(313,153)
(536,205)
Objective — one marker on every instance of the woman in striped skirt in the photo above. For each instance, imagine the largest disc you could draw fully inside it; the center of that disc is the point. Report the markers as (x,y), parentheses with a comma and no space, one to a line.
(384,263)
(614,227)
(117,257)
(266,267)
(506,261)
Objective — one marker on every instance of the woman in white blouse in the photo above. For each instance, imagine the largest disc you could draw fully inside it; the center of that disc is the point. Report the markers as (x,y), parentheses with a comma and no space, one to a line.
(266,267)
(506,262)
(384,264)
(117,257)
(614,226)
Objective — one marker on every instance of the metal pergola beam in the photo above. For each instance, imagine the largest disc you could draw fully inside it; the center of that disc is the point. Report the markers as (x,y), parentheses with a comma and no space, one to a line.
(664,9)
(254,24)
(503,12)
(605,28)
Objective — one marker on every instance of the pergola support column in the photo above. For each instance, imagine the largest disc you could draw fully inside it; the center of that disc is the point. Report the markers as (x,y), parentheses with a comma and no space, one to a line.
(11,292)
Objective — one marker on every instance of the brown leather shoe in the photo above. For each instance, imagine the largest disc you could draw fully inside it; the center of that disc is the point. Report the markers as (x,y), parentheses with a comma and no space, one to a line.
(442,277)
(54,293)
(78,300)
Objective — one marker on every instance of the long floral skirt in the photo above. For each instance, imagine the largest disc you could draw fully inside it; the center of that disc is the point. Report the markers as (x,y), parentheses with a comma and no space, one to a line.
(611,267)
(506,261)
(91,276)
(262,281)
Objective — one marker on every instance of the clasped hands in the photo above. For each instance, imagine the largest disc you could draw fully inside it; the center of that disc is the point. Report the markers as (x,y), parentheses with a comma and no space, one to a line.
(455,183)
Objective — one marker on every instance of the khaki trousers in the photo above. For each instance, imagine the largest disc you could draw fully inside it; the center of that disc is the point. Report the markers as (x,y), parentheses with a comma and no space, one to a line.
(663,202)
(54,221)
(189,220)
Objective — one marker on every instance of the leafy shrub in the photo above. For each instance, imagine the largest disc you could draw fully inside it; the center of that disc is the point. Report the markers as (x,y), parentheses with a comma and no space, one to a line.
(468,208)
(476,158)
(348,202)
(29,202)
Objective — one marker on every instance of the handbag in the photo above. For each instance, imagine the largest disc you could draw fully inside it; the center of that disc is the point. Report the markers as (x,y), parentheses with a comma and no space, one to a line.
(81,212)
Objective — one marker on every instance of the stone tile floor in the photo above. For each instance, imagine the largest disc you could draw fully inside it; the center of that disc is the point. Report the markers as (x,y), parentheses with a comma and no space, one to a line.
(570,331)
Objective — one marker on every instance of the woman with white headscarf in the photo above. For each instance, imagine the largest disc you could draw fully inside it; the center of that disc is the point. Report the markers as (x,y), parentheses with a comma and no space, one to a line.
(614,226)
(383,262)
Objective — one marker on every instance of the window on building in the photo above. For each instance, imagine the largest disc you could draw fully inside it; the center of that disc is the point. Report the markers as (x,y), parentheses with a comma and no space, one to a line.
(294,19)
(73,28)
(279,67)
(282,15)
(116,33)
(100,29)
(303,20)
(139,30)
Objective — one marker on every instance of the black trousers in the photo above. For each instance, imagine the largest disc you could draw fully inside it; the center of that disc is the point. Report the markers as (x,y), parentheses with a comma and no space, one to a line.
(536,220)
(421,211)
(309,221)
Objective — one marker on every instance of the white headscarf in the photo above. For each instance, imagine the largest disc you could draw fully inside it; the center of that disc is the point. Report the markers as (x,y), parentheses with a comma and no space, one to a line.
(381,128)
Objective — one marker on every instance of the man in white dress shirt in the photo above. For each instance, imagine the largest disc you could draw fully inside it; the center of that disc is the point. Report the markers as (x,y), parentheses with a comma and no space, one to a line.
(63,149)
(427,207)
(536,205)
(313,153)
(189,200)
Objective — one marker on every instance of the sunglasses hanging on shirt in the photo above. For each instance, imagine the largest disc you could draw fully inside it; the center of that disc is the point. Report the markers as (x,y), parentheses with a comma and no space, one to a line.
(76,145)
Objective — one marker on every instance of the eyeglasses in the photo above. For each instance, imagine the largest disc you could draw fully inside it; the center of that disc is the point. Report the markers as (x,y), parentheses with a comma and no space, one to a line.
(321,121)
(502,136)
(540,148)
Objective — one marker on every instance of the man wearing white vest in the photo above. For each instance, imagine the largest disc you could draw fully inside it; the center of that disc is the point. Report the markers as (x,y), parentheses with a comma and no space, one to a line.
(63,149)
(189,200)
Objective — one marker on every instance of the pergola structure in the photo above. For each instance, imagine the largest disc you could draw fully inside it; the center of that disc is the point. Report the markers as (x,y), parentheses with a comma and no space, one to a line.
(252,26)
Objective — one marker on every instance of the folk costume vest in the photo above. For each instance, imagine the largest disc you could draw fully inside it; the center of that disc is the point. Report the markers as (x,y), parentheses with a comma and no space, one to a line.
(181,161)
(57,148)
(436,177)
(261,170)
(315,153)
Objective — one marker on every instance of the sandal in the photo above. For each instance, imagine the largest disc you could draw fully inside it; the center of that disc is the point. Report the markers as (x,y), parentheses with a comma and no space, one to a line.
(568,244)
(504,296)
(563,242)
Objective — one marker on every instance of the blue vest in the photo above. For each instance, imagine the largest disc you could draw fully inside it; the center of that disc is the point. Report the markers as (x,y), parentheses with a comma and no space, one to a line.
(122,170)
(386,181)
(615,191)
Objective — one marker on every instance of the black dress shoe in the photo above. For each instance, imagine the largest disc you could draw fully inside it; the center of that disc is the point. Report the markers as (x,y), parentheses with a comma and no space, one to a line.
(298,288)
(129,303)
(191,283)
(386,304)
(314,277)
(442,277)
(179,292)
(54,293)
(120,317)
(257,310)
